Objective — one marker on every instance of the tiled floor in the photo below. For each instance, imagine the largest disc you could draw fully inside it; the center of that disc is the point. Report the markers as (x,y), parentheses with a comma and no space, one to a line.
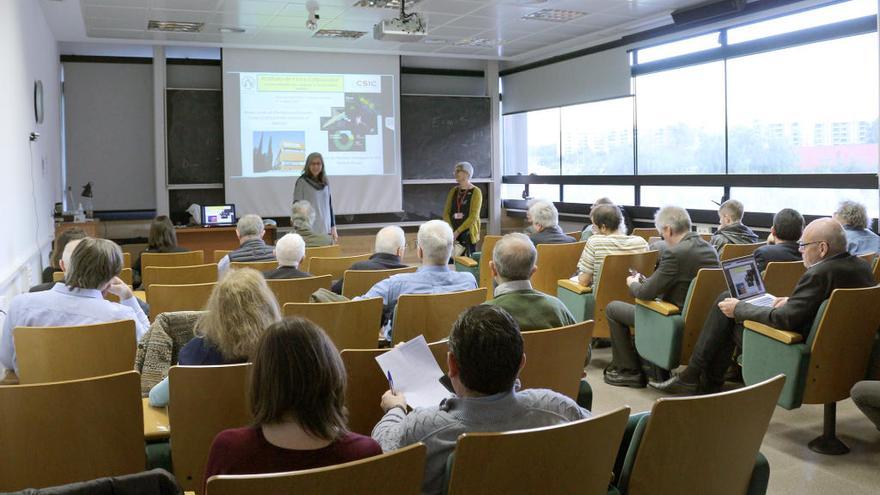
(794,469)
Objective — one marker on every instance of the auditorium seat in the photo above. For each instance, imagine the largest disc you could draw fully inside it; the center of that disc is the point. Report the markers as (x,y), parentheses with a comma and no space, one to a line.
(260,266)
(178,275)
(297,290)
(555,358)
(482,258)
(183,297)
(186,258)
(431,315)
(730,251)
(555,261)
(780,277)
(358,282)
(347,323)
(332,251)
(334,266)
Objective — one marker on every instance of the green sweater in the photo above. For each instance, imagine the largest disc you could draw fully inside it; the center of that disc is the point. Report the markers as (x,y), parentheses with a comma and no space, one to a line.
(534,310)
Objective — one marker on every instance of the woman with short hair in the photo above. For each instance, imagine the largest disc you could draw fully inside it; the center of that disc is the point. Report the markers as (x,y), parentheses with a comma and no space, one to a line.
(297,399)
(462,209)
(239,308)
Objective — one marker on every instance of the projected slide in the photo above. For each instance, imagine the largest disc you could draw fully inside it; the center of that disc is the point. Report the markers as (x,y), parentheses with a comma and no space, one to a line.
(348,118)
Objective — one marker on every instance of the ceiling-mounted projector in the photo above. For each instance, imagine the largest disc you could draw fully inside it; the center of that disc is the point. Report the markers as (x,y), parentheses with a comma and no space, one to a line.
(412,28)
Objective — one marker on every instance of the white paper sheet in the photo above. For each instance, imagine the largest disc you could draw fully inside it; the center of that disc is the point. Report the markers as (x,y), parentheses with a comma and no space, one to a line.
(415,373)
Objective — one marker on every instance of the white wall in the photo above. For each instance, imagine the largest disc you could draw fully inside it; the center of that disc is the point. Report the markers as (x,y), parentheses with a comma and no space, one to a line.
(30,173)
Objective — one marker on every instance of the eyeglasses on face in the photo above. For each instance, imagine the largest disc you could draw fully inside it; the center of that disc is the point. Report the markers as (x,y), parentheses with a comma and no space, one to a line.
(803,245)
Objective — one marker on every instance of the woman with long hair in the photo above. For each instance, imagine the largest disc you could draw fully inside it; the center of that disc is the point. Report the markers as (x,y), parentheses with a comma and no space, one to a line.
(297,399)
(313,186)
(162,239)
(238,310)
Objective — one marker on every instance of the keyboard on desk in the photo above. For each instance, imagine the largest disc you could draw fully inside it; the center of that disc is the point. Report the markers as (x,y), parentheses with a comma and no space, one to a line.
(765,300)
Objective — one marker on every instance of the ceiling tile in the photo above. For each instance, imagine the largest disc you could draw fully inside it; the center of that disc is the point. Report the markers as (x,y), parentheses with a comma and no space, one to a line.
(262,7)
(201,5)
(119,3)
(243,20)
(180,15)
(470,21)
(130,23)
(116,33)
(112,12)
(459,7)
(454,32)
(436,19)
(299,10)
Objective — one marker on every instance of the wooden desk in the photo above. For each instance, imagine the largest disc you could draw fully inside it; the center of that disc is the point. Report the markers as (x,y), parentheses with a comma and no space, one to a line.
(210,238)
(156,426)
(92,228)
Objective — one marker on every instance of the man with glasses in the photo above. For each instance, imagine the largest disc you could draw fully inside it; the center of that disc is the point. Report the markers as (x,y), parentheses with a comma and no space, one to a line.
(829,267)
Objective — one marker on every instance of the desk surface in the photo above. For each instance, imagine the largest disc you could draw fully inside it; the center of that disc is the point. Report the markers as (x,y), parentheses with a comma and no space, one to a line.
(156,426)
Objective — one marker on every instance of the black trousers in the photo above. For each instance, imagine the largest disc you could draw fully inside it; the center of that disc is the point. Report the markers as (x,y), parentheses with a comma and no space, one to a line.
(715,346)
(465,240)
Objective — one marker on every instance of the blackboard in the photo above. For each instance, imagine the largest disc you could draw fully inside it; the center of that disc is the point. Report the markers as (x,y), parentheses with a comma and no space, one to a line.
(195,136)
(438,131)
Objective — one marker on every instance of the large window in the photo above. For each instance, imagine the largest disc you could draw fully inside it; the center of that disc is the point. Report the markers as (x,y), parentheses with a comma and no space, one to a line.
(810,201)
(597,138)
(531,143)
(807,109)
(681,120)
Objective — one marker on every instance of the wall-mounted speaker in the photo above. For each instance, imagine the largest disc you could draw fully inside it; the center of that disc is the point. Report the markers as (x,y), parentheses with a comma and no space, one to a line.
(707,10)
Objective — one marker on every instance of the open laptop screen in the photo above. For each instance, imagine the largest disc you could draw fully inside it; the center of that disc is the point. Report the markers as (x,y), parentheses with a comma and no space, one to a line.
(743,278)
(218,215)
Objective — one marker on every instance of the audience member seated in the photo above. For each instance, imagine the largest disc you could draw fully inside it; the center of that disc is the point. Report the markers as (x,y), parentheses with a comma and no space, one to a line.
(866,395)
(829,267)
(55,259)
(94,268)
(162,239)
(545,223)
(289,251)
(239,308)
(606,239)
(782,244)
(854,218)
(302,217)
(297,399)
(590,228)
(485,357)
(433,277)
(684,255)
(513,263)
(389,250)
(250,232)
(730,227)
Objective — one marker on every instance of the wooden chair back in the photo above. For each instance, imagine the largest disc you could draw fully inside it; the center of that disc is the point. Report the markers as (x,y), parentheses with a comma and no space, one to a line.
(358,282)
(260,266)
(706,237)
(349,324)
(332,251)
(126,260)
(184,297)
(869,257)
(439,350)
(366,384)
(555,358)
(54,354)
(574,233)
(335,267)
(551,459)
(63,432)
(297,290)
(611,284)
(489,242)
(712,438)
(645,233)
(187,258)
(431,315)
(399,472)
(877,269)
(706,286)
(841,344)
(220,253)
(780,277)
(204,400)
(556,261)
(730,251)
(58,277)
(178,275)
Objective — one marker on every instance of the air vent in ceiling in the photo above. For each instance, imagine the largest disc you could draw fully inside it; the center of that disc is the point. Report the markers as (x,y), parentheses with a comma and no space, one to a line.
(338,33)
(554,15)
(384,4)
(176,26)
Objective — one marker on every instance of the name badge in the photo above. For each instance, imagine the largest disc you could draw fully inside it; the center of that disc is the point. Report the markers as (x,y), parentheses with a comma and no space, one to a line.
(458,216)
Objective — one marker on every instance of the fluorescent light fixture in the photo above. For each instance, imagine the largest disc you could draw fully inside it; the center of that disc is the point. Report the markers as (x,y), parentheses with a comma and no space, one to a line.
(176,26)
(554,15)
(227,30)
(338,33)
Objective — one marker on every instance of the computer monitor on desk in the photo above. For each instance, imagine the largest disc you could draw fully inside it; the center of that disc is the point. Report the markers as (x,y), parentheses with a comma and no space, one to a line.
(222,215)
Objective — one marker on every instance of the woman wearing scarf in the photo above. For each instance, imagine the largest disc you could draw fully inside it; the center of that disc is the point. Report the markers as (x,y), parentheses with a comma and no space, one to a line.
(313,187)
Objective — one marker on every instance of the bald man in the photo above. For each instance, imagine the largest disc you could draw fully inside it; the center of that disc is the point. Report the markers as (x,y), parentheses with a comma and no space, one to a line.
(829,267)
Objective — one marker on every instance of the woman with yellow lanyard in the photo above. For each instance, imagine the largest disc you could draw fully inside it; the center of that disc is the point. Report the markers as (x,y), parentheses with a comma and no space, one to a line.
(462,210)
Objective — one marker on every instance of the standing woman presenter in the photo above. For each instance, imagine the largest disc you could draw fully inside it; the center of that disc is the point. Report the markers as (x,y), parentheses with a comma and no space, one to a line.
(462,210)
(313,187)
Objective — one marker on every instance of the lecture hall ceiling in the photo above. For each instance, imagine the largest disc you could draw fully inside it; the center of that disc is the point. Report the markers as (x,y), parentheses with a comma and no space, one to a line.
(486,29)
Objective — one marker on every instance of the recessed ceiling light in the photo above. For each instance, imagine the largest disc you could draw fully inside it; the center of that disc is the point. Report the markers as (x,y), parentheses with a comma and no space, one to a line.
(434,41)
(176,26)
(384,4)
(554,15)
(338,33)
(231,30)
(479,42)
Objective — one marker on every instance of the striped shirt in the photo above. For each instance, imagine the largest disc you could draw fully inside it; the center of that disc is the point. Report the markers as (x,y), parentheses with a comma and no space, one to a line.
(600,246)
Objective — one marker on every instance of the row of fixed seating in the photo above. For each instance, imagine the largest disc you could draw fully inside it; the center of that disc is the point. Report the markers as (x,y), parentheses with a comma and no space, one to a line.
(99,435)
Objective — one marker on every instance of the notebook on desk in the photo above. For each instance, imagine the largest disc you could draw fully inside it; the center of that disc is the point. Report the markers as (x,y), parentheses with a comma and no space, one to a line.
(744,281)
(218,216)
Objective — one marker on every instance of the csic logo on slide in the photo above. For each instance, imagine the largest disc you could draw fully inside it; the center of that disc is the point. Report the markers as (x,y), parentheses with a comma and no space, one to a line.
(366,83)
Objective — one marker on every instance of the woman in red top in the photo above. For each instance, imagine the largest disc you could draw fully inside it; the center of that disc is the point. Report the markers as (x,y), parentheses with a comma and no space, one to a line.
(298,405)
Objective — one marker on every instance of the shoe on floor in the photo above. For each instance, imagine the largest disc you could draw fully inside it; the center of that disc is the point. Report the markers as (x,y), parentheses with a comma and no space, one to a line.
(601,343)
(675,386)
(624,378)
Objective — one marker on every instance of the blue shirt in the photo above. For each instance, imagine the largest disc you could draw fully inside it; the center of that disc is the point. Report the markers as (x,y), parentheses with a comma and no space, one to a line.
(861,241)
(62,306)
(428,279)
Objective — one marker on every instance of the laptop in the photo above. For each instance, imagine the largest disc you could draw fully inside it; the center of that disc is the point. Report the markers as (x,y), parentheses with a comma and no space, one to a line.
(218,216)
(744,281)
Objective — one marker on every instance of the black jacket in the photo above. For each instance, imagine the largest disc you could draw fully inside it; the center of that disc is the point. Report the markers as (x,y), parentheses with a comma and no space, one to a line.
(782,251)
(551,235)
(378,261)
(678,266)
(285,272)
